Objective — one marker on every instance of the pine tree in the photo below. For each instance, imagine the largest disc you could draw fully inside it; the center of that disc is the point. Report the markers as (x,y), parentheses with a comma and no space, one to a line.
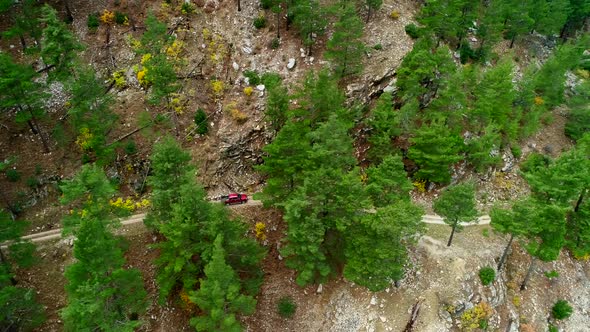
(319,211)
(286,159)
(171,169)
(20,91)
(384,122)
(372,5)
(387,182)
(59,47)
(377,245)
(515,221)
(494,99)
(456,204)
(480,150)
(549,16)
(516,18)
(102,294)
(277,105)
(220,296)
(310,19)
(90,114)
(25,22)
(319,98)
(423,70)
(345,48)
(435,149)
(19,310)
(578,123)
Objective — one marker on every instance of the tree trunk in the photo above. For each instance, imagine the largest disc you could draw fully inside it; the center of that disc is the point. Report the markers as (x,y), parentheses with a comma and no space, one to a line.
(43,138)
(5,262)
(279,24)
(512,40)
(33,129)
(23,42)
(239,6)
(452,234)
(528,273)
(368,15)
(69,16)
(505,253)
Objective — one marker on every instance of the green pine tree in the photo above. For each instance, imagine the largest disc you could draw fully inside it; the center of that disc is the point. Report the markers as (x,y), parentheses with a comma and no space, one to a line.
(345,49)
(388,183)
(220,296)
(377,245)
(456,204)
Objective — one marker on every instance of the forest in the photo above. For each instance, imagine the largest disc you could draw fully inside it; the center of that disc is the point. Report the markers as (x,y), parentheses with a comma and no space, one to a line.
(115,108)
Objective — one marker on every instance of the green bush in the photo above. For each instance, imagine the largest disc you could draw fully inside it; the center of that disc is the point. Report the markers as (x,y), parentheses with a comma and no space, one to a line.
(553,328)
(13,175)
(201,122)
(275,43)
(413,31)
(130,147)
(516,151)
(260,22)
(562,310)
(33,182)
(286,307)
(93,21)
(551,274)
(187,8)
(487,275)
(253,77)
(466,53)
(378,47)
(266,4)
(578,123)
(121,18)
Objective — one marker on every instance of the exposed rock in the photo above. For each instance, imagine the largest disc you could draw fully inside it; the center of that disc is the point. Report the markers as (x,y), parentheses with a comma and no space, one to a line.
(260,87)
(235,66)
(373,300)
(320,289)
(508,161)
(291,63)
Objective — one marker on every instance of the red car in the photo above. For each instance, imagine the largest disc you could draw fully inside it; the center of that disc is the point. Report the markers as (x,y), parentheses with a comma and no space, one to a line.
(236,199)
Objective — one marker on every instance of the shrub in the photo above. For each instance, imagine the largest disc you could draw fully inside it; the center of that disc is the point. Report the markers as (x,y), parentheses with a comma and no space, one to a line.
(201,122)
(107,17)
(553,328)
(516,151)
(248,91)
(187,8)
(130,147)
(121,18)
(253,77)
(378,47)
(487,275)
(394,15)
(217,88)
(562,310)
(93,22)
(551,274)
(33,182)
(13,175)
(260,229)
(238,116)
(260,22)
(286,307)
(475,317)
(275,43)
(119,79)
(266,4)
(413,31)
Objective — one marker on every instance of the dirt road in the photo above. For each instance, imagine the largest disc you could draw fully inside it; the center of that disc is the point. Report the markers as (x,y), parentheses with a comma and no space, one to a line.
(56,233)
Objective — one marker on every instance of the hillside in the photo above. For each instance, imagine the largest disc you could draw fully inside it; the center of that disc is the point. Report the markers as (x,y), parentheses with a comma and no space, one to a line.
(349,123)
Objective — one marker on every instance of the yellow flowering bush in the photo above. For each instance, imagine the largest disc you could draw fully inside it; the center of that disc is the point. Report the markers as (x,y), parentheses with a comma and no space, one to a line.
(539,101)
(141,77)
(84,140)
(177,103)
(107,17)
(217,88)
(128,204)
(175,49)
(259,230)
(420,185)
(472,318)
(248,91)
(119,79)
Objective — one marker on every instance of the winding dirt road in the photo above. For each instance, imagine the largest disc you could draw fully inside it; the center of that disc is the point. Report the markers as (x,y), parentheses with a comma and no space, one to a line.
(137,218)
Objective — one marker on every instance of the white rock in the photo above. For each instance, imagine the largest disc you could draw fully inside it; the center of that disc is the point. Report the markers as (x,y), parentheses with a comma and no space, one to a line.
(320,289)
(236,66)
(247,50)
(387,290)
(383,319)
(291,63)
(373,300)
(260,87)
